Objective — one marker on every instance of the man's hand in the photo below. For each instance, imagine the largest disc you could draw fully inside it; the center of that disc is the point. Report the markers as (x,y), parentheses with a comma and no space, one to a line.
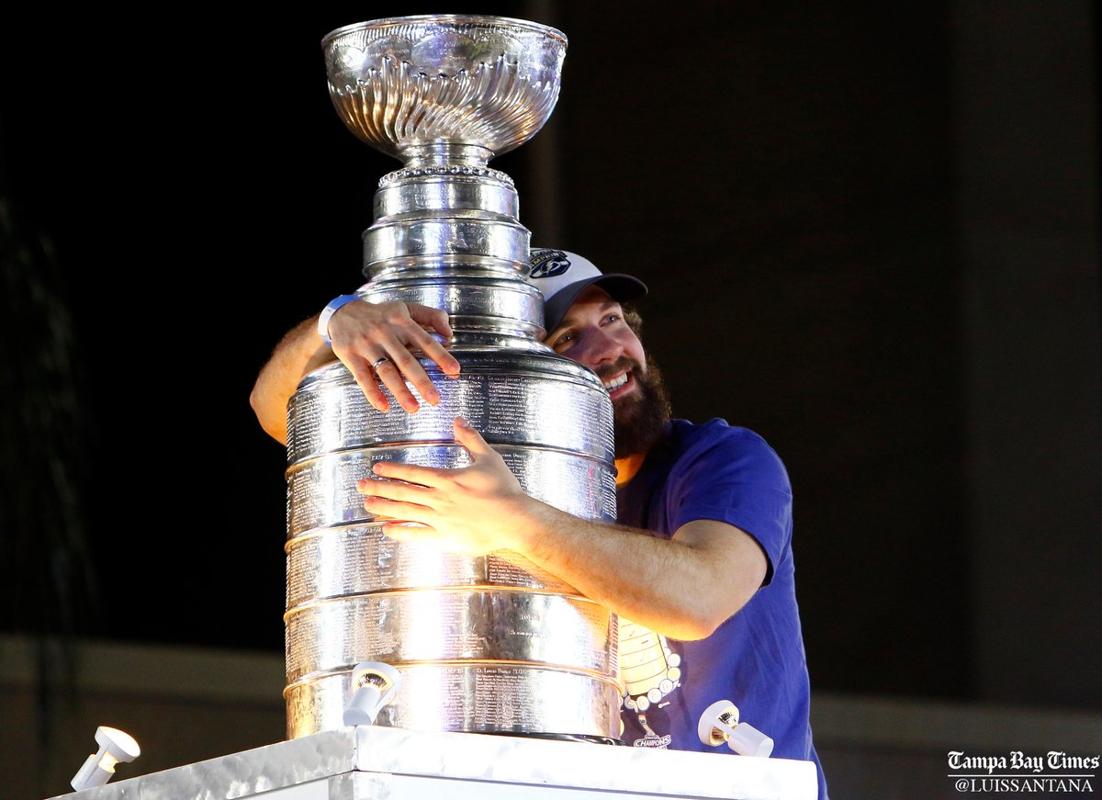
(365,334)
(475,509)
(684,587)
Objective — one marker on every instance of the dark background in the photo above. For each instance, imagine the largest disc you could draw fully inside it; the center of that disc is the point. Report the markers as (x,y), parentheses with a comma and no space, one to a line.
(870,233)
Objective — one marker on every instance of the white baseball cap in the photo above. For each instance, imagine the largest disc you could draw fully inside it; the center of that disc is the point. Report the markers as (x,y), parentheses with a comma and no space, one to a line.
(562,276)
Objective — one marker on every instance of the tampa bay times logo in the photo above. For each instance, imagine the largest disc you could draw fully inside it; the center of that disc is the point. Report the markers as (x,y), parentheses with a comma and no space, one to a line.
(1054,771)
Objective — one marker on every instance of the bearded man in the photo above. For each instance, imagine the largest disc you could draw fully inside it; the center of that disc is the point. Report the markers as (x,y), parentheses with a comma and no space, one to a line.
(702,551)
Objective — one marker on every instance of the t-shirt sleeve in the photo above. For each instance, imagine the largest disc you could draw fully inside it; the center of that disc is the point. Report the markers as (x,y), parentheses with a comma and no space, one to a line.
(736,478)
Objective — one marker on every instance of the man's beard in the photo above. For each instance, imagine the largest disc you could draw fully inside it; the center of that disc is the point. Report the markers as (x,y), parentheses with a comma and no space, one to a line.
(640,418)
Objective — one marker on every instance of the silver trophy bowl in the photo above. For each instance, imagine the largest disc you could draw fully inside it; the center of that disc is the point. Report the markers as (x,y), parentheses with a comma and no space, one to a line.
(488,644)
(408,85)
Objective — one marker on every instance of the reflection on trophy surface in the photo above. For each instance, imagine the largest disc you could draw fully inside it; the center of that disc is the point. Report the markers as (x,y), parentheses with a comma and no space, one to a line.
(489,643)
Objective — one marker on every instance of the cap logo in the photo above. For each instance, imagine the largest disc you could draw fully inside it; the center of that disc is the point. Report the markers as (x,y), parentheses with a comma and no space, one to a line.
(548,264)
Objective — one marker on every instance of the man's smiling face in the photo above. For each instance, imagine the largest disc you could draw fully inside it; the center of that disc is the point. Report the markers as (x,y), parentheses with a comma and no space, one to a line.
(594,333)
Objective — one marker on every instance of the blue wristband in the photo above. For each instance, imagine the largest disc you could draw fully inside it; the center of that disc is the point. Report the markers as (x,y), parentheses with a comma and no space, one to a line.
(328,312)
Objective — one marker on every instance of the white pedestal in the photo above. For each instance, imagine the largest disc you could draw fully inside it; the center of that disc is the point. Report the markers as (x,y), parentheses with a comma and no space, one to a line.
(368,762)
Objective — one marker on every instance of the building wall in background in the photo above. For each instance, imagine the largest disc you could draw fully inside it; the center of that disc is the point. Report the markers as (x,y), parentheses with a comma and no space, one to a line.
(1027,153)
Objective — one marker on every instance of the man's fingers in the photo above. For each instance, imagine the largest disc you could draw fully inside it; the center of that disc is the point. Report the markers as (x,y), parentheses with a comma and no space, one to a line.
(412,370)
(412,473)
(470,438)
(365,378)
(396,509)
(359,364)
(420,533)
(434,350)
(406,532)
(430,318)
(390,374)
(395,490)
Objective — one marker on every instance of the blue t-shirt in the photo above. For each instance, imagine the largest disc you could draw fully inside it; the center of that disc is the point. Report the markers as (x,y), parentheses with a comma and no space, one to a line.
(756,658)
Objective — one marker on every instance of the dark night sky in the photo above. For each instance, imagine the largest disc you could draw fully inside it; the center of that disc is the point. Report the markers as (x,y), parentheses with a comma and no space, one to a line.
(784,183)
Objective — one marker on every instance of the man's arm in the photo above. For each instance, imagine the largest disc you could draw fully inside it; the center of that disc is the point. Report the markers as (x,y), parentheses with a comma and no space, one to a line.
(362,333)
(299,352)
(684,587)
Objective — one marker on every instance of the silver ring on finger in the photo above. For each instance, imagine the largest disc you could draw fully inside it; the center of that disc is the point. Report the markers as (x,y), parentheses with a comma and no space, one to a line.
(378,362)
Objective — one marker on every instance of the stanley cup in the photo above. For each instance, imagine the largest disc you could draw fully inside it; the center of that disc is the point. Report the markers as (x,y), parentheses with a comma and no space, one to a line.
(486,644)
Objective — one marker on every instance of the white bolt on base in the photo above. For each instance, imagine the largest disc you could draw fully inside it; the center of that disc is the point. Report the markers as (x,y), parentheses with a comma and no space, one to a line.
(717,723)
(373,686)
(115,746)
(720,724)
(749,741)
